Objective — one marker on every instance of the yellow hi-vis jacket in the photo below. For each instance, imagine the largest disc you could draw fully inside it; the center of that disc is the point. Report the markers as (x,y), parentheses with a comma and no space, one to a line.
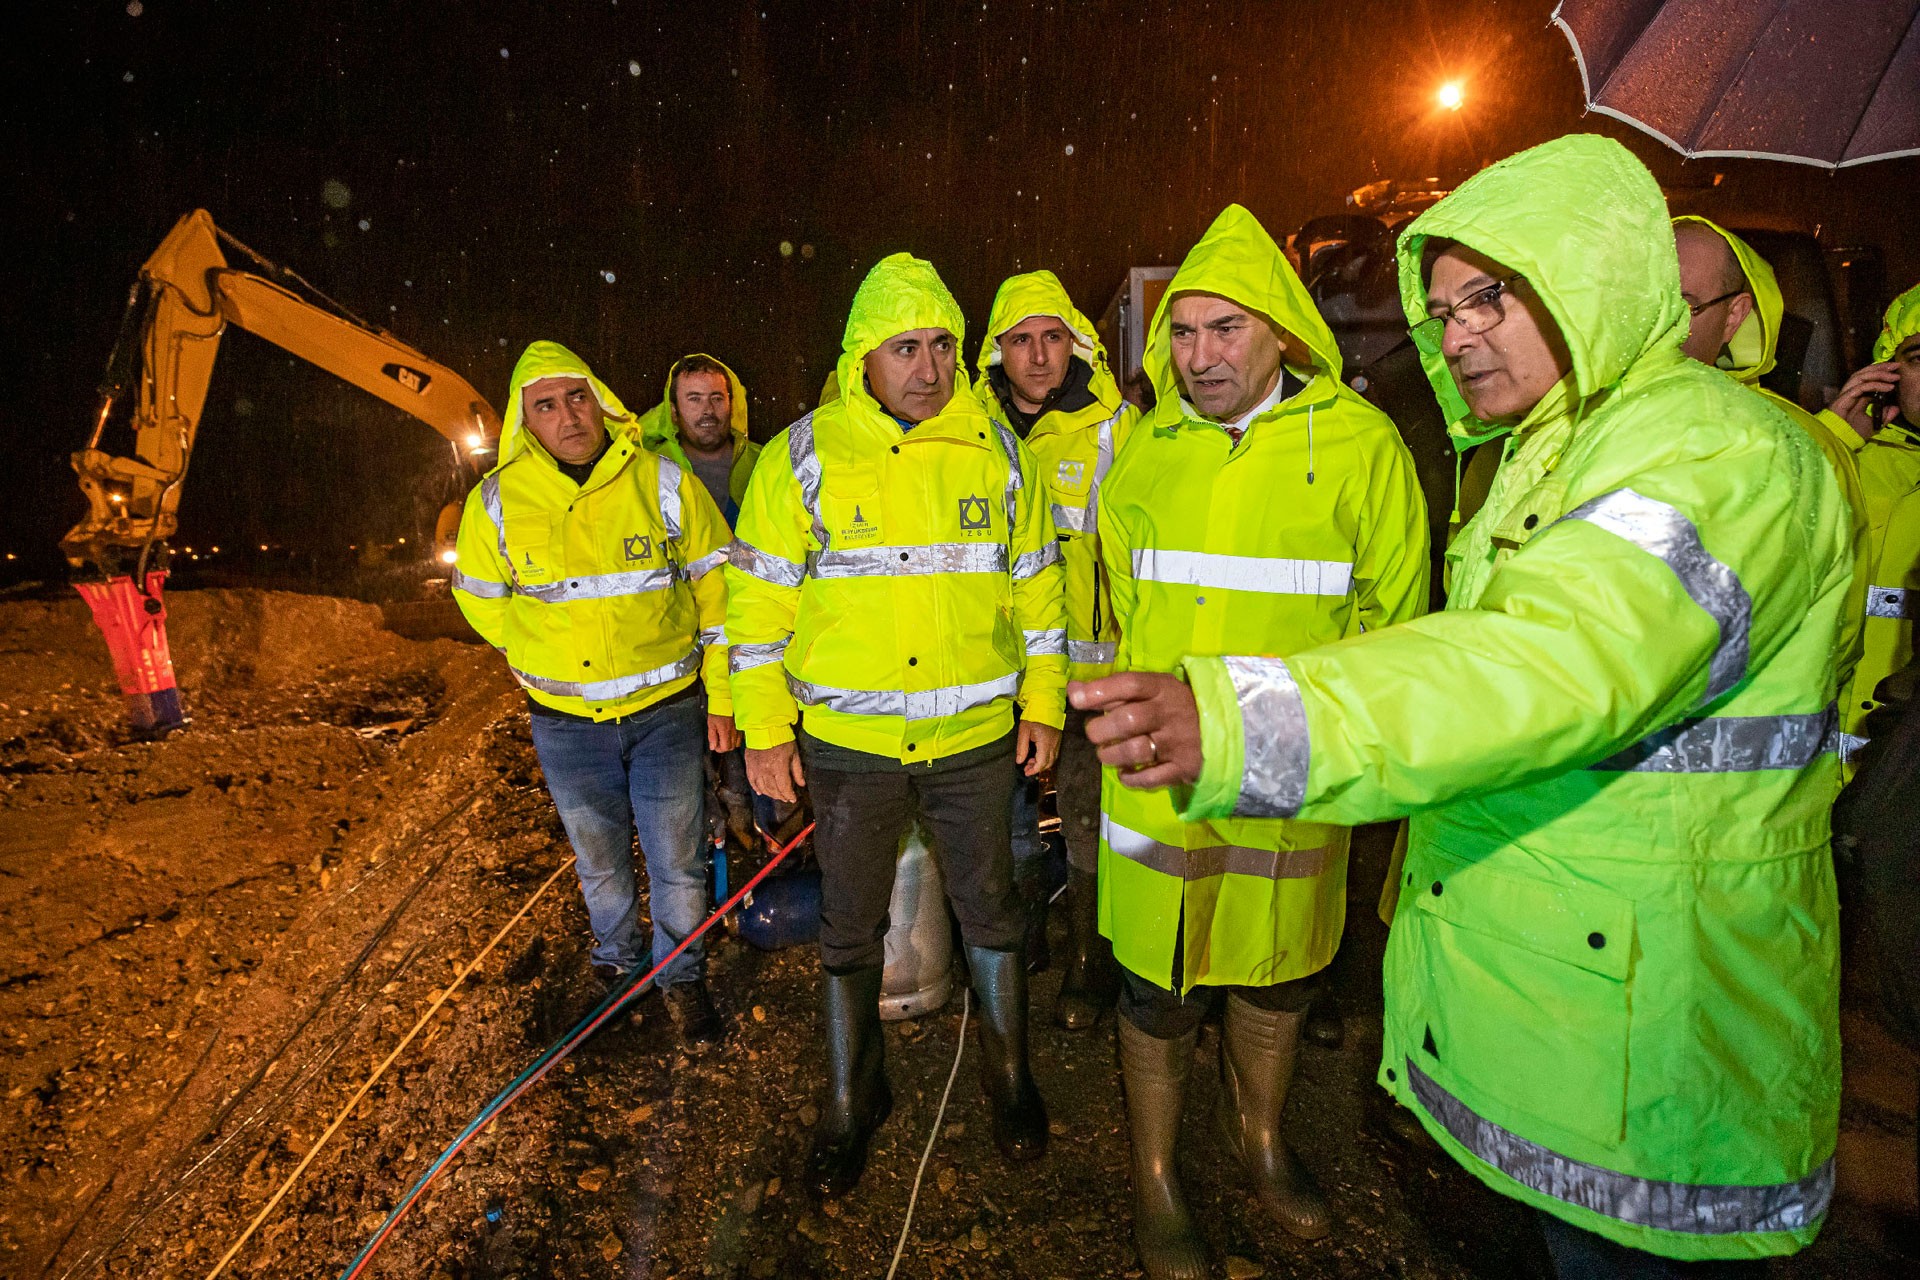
(1309,529)
(1890,487)
(603,596)
(898,590)
(1750,357)
(1074,449)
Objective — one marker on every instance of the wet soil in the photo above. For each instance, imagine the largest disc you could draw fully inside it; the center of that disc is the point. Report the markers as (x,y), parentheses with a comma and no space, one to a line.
(206,943)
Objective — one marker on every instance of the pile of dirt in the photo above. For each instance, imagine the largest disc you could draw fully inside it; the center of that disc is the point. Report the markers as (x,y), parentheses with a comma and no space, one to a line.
(212,939)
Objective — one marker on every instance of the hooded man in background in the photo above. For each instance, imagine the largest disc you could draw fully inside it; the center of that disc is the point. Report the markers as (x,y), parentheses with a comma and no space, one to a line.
(1878,414)
(1612,978)
(702,425)
(1044,375)
(589,560)
(1263,506)
(898,595)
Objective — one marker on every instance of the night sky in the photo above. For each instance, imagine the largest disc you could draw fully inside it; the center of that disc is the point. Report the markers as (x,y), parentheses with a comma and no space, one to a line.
(622,176)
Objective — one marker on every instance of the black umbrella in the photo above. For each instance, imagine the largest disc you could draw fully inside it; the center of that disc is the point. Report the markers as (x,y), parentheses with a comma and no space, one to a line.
(1825,82)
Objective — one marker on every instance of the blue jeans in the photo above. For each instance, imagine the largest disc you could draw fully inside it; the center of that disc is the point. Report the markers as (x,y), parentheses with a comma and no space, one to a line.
(607,779)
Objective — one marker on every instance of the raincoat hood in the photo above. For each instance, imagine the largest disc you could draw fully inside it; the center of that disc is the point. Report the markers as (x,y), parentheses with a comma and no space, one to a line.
(657,427)
(1902,322)
(1237,259)
(1750,355)
(1585,223)
(1040,293)
(549,360)
(900,294)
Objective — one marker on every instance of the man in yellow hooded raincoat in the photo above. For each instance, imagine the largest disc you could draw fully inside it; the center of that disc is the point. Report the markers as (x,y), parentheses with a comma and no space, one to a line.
(1044,375)
(701,423)
(1262,506)
(1734,307)
(1878,415)
(590,562)
(896,590)
(1612,978)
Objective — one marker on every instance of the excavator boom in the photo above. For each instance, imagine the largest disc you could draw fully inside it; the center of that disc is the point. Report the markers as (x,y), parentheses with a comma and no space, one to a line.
(186,295)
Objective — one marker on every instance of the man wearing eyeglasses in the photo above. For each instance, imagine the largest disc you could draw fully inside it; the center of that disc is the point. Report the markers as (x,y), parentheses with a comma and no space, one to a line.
(1612,977)
(1734,308)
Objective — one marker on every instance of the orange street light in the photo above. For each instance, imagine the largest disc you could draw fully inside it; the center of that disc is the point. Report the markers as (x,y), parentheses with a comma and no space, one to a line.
(1451,95)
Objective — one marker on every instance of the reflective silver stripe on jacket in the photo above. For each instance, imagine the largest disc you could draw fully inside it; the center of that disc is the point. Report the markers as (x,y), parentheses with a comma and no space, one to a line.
(1269,575)
(1274,724)
(1034,561)
(480,586)
(1728,744)
(1702,1209)
(1016,477)
(706,564)
(745,657)
(710,636)
(1661,530)
(1092,651)
(1892,602)
(670,495)
(914,704)
(608,690)
(1071,519)
(1849,745)
(764,565)
(598,586)
(1042,644)
(496,512)
(806,473)
(941,557)
(1214,860)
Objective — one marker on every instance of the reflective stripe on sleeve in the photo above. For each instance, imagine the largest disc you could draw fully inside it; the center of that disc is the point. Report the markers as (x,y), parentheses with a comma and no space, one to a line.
(1092,651)
(598,586)
(1274,725)
(1728,744)
(1016,478)
(1268,575)
(1702,1209)
(1849,745)
(1661,530)
(1042,644)
(480,587)
(764,565)
(1034,561)
(1892,602)
(913,704)
(745,657)
(669,495)
(1070,519)
(806,473)
(496,512)
(710,636)
(941,557)
(706,564)
(1214,860)
(608,690)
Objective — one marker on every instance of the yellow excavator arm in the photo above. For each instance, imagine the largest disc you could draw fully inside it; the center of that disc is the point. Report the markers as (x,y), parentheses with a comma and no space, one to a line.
(186,295)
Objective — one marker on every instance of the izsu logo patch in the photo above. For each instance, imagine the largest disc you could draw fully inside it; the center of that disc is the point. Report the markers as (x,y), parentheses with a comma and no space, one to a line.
(974,514)
(639,547)
(1071,473)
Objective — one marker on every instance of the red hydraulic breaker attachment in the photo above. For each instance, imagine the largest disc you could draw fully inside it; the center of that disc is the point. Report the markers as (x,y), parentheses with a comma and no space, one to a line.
(134,622)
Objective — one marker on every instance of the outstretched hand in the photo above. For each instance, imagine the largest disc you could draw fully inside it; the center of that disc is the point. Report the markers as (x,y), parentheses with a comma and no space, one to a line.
(776,772)
(1036,747)
(1147,726)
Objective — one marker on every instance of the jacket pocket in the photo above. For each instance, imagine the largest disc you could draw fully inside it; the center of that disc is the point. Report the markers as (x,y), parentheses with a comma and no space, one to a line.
(1524,1016)
(529,537)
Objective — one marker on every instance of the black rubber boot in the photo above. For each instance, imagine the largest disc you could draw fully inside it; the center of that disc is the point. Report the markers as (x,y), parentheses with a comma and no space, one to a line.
(1019,1116)
(1154,1075)
(858,1099)
(1031,884)
(1323,1025)
(1257,1054)
(1091,983)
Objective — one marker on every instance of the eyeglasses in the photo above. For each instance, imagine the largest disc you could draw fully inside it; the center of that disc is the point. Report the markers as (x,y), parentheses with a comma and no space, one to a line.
(1478,312)
(1697,307)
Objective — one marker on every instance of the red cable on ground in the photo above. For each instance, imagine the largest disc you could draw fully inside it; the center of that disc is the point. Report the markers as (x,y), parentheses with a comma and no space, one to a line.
(557,1054)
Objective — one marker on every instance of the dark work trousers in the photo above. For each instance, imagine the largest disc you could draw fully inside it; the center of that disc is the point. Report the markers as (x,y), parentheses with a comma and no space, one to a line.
(865,804)
(1165,1014)
(1582,1255)
(1076,786)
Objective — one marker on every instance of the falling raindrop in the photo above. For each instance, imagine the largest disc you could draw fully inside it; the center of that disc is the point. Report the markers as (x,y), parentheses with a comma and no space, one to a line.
(806,253)
(127,78)
(335,194)
(786,248)
(607,276)
(365,224)
(503,53)
(1069,148)
(135,8)
(633,66)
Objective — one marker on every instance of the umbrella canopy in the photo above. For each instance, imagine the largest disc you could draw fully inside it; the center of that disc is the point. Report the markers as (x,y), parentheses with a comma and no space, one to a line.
(1824,82)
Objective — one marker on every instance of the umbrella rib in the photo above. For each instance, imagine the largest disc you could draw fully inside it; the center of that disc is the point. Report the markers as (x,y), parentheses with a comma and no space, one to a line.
(1727,82)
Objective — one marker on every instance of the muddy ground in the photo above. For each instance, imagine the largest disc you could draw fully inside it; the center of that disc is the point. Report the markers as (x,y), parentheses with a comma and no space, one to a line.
(206,944)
